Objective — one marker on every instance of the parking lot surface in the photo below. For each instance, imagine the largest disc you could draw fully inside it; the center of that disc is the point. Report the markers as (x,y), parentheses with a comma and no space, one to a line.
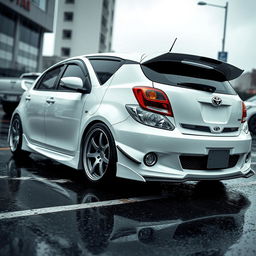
(49,209)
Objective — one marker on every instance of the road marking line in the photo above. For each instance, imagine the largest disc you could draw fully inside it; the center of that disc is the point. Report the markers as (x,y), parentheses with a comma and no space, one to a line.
(4,149)
(74,207)
(35,179)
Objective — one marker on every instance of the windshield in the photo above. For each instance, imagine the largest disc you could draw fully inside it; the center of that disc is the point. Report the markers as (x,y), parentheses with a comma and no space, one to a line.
(185,78)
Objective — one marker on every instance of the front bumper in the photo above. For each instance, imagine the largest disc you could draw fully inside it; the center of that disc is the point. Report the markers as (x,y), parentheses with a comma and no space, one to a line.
(134,140)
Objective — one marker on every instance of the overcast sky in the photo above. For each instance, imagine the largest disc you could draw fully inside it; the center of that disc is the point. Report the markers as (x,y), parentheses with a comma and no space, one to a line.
(152,25)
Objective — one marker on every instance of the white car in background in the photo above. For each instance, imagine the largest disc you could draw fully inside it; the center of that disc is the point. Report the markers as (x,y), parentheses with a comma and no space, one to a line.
(169,117)
(251,113)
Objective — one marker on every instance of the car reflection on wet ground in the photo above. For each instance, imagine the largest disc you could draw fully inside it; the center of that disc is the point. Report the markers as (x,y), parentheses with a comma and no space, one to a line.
(123,218)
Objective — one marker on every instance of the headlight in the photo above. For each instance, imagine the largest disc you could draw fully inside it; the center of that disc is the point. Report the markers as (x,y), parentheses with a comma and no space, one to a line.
(149,118)
(248,107)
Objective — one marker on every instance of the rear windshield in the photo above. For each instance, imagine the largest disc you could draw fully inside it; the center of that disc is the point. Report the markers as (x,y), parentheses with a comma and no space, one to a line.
(185,76)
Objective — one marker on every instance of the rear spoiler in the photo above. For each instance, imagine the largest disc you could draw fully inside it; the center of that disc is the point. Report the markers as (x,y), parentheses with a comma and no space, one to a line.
(205,67)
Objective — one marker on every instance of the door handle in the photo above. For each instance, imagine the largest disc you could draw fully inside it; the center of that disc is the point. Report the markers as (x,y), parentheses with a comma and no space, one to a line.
(50,100)
(28,98)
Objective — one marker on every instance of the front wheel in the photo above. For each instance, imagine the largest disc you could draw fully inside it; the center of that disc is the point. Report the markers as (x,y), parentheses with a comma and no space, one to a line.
(99,154)
(15,140)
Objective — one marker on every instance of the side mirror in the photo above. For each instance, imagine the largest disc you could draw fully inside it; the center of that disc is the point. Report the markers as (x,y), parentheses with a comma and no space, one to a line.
(73,83)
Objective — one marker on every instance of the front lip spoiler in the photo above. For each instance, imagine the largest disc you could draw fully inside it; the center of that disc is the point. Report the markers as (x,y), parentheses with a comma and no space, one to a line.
(247,175)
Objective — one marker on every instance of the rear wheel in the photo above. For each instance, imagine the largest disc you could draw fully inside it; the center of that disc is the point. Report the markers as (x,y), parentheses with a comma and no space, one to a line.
(252,124)
(16,137)
(99,154)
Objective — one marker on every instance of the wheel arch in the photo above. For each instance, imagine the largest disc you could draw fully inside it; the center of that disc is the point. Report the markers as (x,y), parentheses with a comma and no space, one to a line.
(85,131)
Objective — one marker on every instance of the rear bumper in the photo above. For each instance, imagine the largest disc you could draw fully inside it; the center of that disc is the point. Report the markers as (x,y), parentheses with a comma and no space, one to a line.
(10,98)
(134,140)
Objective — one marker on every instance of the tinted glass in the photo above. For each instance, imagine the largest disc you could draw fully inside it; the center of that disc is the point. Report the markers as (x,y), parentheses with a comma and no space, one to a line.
(49,79)
(104,69)
(166,73)
(73,71)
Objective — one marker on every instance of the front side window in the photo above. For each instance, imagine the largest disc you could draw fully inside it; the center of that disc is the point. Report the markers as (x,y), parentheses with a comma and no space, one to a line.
(49,80)
(104,69)
(73,70)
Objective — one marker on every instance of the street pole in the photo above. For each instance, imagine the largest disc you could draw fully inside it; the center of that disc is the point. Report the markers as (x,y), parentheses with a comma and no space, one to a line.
(225,25)
(221,55)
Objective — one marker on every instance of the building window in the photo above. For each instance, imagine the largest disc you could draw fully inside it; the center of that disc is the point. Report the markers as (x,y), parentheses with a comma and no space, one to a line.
(66,34)
(70,1)
(68,16)
(40,3)
(65,52)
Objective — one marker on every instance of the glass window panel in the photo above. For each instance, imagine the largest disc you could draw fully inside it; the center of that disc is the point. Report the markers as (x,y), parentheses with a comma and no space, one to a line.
(49,79)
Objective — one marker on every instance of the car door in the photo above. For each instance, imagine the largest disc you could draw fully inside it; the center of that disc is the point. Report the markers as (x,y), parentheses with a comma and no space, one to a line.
(63,113)
(34,117)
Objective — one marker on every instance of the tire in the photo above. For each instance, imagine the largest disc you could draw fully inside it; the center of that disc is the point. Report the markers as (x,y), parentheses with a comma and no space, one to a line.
(99,154)
(15,140)
(252,125)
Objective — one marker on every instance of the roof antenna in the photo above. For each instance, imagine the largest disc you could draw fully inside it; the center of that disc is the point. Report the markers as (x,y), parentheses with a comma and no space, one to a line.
(173,44)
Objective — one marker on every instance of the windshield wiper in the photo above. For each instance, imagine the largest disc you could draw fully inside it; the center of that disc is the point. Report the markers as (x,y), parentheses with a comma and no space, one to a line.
(201,87)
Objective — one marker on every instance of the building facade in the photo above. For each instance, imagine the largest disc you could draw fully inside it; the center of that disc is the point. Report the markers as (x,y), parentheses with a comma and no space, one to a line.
(83,26)
(22,24)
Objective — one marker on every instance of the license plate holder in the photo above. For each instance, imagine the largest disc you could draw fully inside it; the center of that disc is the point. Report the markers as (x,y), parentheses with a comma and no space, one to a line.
(218,159)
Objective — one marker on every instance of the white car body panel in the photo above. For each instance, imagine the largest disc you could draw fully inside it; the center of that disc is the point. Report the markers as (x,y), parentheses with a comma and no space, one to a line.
(56,130)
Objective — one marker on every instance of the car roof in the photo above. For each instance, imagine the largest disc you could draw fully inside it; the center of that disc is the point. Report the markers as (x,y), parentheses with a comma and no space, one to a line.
(126,56)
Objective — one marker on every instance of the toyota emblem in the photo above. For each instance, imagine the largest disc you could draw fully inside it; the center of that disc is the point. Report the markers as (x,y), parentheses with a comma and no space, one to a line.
(216,101)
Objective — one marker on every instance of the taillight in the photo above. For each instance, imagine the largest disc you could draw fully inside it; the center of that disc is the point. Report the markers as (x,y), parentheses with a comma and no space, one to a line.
(153,100)
(244,113)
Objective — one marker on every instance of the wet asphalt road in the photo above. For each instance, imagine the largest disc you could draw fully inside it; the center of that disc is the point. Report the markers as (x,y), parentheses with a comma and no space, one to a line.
(77,219)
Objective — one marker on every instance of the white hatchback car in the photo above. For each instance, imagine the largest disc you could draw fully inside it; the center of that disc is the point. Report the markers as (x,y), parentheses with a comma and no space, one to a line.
(169,117)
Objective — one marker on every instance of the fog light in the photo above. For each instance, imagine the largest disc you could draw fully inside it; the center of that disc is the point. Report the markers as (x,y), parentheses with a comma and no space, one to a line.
(248,156)
(150,159)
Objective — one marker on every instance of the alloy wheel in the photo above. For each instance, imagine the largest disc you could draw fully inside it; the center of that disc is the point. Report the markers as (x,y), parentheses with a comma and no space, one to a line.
(15,134)
(96,154)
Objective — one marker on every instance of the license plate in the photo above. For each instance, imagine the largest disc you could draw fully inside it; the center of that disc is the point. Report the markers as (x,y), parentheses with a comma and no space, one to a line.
(218,159)
(11,98)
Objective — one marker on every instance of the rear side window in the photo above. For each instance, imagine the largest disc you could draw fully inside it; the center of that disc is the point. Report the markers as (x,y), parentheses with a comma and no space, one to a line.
(181,75)
(49,79)
(104,69)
